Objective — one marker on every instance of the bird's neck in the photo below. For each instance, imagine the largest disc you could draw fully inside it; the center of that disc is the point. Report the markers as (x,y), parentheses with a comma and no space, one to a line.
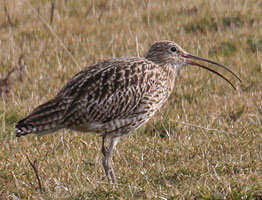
(170,74)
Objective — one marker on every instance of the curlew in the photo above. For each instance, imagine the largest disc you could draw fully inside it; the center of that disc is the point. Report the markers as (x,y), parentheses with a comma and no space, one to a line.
(114,97)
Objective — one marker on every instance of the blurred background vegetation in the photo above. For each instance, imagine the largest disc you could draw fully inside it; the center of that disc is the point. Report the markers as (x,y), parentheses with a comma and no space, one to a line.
(204,144)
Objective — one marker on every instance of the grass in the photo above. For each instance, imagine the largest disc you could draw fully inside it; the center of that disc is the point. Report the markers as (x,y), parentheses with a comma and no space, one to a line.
(205,143)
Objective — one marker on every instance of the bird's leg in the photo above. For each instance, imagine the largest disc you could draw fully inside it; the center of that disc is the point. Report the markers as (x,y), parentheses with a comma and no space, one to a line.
(113,144)
(105,159)
(107,162)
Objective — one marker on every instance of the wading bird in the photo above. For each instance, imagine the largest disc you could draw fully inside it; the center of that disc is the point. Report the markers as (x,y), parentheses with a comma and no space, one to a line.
(114,97)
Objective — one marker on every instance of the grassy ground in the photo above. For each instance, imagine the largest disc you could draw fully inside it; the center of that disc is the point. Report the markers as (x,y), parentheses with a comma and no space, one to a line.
(206,143)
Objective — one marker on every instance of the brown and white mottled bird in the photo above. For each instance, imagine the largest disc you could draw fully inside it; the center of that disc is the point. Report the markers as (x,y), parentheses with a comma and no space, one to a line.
(114,97)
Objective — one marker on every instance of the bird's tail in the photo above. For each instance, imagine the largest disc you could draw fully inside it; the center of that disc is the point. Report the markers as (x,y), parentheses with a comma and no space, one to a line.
(47,118)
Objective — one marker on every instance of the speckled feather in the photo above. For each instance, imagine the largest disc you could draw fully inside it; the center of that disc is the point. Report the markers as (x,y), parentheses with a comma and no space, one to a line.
(113,97)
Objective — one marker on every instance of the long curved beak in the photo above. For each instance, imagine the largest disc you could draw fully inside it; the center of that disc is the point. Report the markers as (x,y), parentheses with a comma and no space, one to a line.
(190,62)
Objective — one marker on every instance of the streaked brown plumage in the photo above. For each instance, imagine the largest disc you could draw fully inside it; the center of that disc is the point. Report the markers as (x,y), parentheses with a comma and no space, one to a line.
(114,97)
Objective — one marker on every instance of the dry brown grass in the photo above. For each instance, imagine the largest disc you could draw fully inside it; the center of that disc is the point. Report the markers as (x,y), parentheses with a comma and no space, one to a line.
(204,144)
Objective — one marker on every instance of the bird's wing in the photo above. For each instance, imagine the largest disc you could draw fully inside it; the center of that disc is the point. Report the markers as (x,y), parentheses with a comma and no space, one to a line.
(107,91)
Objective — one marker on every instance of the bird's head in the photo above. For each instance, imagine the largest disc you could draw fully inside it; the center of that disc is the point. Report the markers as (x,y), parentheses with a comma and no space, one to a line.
(169,53)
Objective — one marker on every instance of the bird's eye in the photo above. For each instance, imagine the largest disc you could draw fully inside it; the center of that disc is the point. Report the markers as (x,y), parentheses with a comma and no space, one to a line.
(173,49)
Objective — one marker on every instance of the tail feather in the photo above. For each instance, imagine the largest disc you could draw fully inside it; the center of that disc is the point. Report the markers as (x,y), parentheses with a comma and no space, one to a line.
(47,118)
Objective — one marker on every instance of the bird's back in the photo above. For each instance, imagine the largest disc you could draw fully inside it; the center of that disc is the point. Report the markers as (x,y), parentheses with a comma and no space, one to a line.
(116,95)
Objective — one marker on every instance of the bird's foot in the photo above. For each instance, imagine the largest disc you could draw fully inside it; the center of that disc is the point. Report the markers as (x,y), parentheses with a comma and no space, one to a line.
(109,171)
